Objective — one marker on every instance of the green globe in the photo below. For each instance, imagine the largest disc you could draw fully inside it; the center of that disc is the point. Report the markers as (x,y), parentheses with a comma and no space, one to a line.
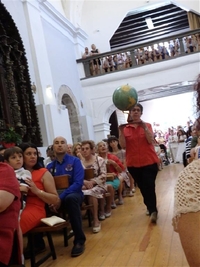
(125,97)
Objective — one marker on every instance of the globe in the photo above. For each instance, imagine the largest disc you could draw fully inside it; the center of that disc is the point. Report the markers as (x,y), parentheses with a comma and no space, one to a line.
(125,97)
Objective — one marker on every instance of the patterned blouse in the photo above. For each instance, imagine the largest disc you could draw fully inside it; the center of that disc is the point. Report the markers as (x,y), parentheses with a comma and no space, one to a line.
(100,188)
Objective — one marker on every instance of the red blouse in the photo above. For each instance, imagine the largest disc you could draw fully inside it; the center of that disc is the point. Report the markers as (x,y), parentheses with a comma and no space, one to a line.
(139,152)
(116,159)
(9,223)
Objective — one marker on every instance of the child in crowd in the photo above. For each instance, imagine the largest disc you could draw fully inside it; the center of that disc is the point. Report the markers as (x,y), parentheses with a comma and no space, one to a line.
(14,157)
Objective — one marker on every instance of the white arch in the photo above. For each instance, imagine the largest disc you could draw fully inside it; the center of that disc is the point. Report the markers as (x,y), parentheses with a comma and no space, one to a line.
(108,113)
(73,10)
(64,89)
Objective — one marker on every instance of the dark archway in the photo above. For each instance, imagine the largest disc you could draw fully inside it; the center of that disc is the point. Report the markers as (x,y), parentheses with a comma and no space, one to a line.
(17,104)
(167,19)
(114,124)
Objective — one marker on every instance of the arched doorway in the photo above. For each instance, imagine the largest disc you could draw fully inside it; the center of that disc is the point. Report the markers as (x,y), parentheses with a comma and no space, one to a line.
(73,118)
(114,124)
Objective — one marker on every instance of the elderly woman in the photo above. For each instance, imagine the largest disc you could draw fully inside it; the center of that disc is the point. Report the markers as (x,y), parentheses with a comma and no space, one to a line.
(116,167)
(115,149)
(96,187)
(41,189)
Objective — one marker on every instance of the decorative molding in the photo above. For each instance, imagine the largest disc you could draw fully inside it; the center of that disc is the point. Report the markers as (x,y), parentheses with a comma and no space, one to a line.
(101,127)
(61,23)
(109,112)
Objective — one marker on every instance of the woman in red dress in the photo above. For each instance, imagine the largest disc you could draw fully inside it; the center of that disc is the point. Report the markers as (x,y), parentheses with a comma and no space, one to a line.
(10,205)
(41,189)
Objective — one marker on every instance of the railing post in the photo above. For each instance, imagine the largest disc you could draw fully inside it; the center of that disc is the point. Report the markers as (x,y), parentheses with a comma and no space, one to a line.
(86,65)
(132,55)
(182,50)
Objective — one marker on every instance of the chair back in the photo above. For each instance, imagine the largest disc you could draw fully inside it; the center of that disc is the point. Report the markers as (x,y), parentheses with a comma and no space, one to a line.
(110,177)
(107,167)
(89,173)
(61,181)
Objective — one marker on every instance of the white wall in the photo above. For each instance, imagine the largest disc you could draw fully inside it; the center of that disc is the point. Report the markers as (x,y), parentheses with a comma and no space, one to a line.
(101,18)
(61,54)
(170,111)
(99,90)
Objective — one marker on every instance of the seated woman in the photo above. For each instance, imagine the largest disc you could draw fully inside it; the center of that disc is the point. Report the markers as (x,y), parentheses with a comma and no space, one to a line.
(115,149)
(76,150)
(41,189)
(96,187)
(10,205)
(116,167)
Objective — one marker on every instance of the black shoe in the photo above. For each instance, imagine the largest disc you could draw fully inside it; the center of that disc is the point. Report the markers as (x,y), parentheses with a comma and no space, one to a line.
(154,217)
(77,250)
(38,250)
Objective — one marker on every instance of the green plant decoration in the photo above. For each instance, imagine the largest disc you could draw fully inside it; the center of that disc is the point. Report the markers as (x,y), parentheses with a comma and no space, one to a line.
(10,136)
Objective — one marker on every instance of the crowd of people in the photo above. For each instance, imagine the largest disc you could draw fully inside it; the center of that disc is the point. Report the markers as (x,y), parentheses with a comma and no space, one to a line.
(116,170)
(34,176)
(107,64)
(175,144)
(142,55)
(118,165)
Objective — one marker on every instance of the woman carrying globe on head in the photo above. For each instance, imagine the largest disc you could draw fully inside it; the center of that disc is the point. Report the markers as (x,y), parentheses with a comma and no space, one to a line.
(141,159)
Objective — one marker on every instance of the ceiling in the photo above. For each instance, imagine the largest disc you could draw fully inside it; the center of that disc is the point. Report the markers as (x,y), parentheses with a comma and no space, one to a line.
(166,90)
(167,18)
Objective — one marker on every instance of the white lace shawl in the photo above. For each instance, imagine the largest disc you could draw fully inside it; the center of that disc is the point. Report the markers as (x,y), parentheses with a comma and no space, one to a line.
(187,190)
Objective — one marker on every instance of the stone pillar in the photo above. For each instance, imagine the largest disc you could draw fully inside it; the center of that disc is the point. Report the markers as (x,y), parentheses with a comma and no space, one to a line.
(101,131)
(39,54)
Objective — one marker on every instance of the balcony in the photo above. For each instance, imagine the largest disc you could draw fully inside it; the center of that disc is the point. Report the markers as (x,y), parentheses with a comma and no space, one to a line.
(140,54)
(159,77)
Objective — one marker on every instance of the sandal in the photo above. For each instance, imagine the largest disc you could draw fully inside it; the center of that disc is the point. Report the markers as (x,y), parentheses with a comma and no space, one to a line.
(96,229)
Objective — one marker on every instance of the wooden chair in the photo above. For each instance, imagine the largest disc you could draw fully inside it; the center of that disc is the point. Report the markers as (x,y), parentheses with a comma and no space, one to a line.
(89,174)
(109,175)
(61,182)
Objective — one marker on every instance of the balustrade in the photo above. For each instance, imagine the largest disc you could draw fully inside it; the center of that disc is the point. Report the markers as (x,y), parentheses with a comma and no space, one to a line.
(165,48)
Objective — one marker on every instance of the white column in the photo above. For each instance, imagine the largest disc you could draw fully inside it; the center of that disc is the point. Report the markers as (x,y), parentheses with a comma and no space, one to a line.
(39,52)
(101,131)
(87,127)
(42,71)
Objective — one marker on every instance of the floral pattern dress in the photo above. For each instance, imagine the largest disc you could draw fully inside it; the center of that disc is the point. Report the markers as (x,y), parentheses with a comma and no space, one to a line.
(100,188)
